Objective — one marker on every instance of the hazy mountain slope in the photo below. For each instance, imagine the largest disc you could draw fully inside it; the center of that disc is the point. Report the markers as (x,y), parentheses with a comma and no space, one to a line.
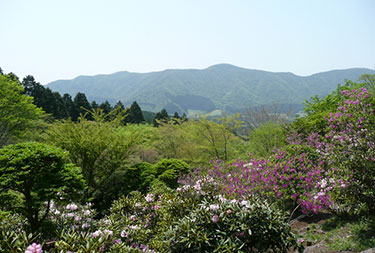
(222,86)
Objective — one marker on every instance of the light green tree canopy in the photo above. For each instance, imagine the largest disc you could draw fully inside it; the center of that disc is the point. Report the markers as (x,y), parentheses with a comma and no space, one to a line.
(17,111)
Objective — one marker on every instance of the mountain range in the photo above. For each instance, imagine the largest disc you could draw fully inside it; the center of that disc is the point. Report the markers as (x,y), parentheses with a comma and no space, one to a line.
(220,87)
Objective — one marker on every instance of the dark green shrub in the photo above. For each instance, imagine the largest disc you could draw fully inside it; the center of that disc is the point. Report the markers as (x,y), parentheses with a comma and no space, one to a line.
(37,172)
(168,171)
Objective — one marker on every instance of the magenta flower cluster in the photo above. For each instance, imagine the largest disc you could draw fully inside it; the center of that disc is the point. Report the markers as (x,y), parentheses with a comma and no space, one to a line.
(313,169)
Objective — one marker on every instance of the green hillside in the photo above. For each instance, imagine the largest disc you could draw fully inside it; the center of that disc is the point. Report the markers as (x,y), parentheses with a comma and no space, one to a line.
(224,87)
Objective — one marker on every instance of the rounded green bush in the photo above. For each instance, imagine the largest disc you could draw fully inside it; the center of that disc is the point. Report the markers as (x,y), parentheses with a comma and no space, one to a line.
(37,172)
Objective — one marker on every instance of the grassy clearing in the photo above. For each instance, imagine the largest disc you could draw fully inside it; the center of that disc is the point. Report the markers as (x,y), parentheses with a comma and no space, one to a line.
(343,234)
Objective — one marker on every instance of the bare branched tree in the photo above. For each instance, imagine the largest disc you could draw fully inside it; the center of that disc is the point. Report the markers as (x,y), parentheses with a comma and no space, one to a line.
(255,116)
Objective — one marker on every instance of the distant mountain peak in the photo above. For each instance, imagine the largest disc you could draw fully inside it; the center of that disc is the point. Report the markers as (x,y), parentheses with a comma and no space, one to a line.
(222,66)
(219,87)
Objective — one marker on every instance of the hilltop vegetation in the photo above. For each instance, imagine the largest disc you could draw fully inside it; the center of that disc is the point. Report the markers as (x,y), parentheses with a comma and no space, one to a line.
(224,87)
(102,184)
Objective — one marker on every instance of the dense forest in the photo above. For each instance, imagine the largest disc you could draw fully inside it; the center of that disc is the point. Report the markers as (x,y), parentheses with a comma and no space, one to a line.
(77,176)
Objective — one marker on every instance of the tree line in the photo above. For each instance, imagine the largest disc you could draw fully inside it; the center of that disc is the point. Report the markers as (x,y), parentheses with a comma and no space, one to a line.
(65,106)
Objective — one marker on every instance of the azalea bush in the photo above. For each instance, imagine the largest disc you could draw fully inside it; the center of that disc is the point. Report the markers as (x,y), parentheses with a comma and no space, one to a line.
(351,131)
(291,178)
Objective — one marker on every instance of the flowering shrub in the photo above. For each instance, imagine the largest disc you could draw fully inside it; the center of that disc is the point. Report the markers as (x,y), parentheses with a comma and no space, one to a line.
(224,225)
(146,222)
(313,172)
(140,220)
(289,177)
(74,216)
(351,130)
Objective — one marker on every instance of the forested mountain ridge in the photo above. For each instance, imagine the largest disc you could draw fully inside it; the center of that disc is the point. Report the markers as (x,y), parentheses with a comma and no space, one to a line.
(223,86)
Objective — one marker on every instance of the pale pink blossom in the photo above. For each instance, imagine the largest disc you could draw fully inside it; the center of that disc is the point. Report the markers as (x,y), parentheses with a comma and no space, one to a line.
(71,207)
(214,207)
(97,233)
(124,233)
(149,197)
(34,248)
(215,218)
(108,232)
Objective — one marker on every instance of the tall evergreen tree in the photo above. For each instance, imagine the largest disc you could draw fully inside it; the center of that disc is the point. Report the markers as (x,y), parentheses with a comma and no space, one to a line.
(135,114)
(69,104)
(120,105)
(60,111)
(176,118)
(80,104)
(50,102)
(106,107)
(184,117)
(161,116)
(31,87)
(94,105)
(46,100)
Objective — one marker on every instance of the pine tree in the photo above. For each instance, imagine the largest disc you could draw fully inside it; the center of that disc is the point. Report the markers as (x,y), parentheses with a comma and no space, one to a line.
(94,105)
(106,107)
(184,118)
(69,104)
(120,105)
(60,111)
(80,104)
(161,116)
(135,114)
(176,118)
(50,102)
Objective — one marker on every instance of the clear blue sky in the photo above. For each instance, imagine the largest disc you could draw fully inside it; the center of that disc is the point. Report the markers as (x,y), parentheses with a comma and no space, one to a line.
(53,39)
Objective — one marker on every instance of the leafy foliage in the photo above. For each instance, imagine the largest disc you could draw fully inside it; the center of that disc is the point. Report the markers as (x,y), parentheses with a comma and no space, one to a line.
(265,138)
(199,141)
(37,172)
(231,226)
(17,111)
